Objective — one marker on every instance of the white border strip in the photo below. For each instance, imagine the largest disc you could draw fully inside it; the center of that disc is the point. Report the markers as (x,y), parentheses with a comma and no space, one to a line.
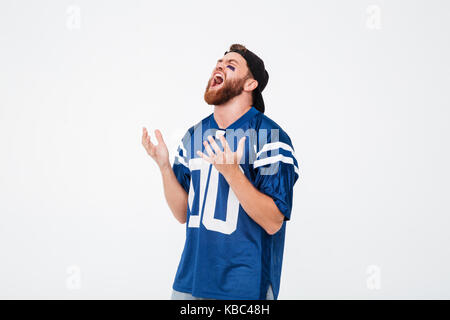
(181,160)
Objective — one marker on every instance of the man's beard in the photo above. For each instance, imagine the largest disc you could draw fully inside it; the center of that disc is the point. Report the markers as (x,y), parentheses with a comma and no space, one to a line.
(229,90)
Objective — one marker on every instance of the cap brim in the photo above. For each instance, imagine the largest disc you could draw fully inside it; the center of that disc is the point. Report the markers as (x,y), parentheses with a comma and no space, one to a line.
(258,101)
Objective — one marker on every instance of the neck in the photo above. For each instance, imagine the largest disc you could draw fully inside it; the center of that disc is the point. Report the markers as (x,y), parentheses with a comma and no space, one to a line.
(227,113)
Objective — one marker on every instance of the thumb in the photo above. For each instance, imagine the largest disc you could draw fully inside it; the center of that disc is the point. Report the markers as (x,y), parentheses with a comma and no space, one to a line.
(159,137)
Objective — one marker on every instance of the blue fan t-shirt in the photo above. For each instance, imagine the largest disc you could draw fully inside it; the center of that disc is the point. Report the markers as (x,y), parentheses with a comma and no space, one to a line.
(227,255)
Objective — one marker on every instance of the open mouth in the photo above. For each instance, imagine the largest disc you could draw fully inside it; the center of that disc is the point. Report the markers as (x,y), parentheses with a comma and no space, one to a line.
(217,80)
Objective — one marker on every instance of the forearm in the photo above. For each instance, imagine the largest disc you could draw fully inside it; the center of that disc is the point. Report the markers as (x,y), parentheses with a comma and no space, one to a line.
(259,206)
(175,194)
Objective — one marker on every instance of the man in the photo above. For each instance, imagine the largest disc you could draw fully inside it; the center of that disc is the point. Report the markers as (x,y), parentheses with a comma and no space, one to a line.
(232,182)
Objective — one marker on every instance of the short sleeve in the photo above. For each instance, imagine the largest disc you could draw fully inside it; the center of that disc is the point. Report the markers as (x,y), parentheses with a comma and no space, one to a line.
(181,168)
(276,173)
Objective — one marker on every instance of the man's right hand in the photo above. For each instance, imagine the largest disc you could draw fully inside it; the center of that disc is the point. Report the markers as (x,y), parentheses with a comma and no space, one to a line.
(158,152)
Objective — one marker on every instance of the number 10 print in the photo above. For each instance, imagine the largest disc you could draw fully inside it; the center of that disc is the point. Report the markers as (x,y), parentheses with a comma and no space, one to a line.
(210,188)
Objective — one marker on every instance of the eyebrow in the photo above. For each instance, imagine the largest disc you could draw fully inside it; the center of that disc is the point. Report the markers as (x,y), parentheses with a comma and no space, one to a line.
(229,60)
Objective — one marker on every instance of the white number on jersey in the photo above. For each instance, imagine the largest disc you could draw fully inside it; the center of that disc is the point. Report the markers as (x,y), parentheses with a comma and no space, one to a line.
(229,225)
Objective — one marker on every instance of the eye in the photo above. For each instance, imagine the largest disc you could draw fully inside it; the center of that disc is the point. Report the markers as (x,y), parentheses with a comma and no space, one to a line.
(230,67)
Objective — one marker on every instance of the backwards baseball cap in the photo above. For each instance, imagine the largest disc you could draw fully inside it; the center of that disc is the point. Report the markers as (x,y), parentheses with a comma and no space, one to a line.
(256,66)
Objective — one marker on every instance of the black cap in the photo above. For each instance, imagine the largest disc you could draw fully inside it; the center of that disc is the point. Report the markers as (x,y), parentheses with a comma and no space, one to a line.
(256,66)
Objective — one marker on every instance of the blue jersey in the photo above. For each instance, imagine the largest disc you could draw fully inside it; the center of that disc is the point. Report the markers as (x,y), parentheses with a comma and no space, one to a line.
(227,255)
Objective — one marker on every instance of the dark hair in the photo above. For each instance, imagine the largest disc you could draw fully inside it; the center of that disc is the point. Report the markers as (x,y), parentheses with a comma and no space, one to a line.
(241,47)
(237,46)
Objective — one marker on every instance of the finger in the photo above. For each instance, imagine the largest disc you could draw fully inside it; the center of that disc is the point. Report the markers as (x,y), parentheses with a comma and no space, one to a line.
(144,133)
(214,145)
(159,137)
(204,156)
(147,142)
(225,145)
(241,144)
(208,149)
(144,136)
(240,148)
(150,148)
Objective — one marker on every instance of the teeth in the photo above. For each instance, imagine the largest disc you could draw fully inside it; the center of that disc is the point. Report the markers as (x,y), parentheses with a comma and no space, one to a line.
(216,77)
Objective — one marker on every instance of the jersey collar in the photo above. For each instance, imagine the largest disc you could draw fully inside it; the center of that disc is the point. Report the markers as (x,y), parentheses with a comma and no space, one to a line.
(238,123)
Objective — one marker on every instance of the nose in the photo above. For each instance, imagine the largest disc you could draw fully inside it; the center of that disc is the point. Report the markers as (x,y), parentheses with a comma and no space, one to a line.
(220,66)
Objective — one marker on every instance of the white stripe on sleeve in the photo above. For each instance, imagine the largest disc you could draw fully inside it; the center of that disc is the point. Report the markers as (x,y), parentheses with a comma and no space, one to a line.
(273,159)
(276,145)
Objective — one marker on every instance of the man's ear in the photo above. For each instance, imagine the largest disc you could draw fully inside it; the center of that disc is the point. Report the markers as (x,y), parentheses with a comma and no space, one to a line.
(250,85)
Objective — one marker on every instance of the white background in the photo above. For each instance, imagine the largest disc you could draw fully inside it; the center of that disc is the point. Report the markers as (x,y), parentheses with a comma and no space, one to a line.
(361,87)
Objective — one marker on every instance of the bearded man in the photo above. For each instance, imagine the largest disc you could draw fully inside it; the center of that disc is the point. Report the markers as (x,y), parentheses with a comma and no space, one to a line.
(232,183)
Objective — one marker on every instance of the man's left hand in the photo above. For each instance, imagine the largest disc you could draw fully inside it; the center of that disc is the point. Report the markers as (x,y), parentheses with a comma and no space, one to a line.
(226,161)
